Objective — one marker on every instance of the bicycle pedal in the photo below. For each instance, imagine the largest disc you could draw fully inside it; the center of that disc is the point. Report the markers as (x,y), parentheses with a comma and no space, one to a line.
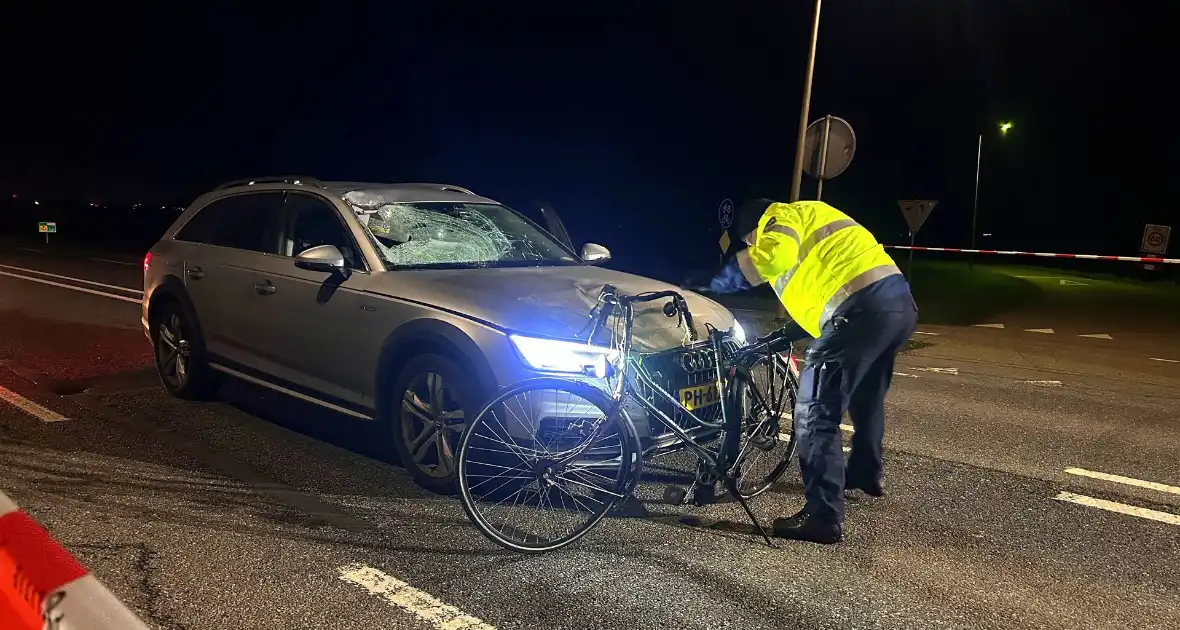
(674,495)
(704,495)
(764,443)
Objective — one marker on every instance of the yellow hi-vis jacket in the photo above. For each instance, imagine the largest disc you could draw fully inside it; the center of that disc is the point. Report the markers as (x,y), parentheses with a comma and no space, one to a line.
(815,257)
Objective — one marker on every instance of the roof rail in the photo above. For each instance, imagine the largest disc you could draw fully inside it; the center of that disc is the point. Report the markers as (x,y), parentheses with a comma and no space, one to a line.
(274,179)
(446,187)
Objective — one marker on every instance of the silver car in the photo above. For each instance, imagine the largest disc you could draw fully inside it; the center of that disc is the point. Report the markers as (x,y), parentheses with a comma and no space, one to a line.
(404,304)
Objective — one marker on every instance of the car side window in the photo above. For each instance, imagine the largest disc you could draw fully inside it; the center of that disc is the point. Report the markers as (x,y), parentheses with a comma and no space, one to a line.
(198,228)
(313,222)
(249,222)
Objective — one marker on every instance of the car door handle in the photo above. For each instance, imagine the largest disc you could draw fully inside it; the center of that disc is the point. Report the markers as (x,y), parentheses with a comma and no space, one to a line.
(265,288)
(195,273)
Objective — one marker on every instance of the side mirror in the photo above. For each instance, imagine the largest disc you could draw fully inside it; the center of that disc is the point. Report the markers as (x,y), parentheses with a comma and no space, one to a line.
(325,258)
(594,253)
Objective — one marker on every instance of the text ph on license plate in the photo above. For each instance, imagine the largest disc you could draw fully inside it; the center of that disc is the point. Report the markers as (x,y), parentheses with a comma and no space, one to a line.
(700,396)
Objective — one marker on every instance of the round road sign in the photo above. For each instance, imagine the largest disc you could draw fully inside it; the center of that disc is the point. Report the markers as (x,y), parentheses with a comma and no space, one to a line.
(725,213)
(841,147)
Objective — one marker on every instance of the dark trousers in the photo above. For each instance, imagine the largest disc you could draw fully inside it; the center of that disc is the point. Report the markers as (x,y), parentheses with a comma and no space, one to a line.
(848,368)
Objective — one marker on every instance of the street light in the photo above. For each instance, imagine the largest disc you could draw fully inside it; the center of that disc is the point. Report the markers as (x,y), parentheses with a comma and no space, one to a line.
(805,110)
(1004,127)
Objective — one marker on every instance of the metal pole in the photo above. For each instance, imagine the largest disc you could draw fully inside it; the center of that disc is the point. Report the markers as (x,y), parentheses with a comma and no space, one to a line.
(975,206)
(805,110)
(909,272)
(823,158)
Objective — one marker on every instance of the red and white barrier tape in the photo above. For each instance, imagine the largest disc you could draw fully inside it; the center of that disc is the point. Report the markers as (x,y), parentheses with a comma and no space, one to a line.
(43,587)
(1141,259)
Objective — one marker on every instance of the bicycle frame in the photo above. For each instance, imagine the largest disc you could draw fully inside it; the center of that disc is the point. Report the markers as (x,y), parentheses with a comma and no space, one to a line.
(718,462)
(628,364)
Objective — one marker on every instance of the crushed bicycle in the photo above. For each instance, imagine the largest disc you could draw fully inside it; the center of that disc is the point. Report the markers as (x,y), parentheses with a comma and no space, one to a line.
(553,450)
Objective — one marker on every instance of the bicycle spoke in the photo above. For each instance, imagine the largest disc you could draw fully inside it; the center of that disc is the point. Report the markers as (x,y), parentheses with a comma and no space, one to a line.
(517,480)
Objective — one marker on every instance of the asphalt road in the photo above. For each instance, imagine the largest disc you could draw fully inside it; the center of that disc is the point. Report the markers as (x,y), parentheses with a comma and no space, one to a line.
(262,512)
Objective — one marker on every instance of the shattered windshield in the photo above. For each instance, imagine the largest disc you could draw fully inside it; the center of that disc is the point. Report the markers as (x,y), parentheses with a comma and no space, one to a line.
(451,234)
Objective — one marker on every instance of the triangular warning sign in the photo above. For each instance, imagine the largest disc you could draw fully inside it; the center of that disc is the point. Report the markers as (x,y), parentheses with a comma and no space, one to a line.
(916,211)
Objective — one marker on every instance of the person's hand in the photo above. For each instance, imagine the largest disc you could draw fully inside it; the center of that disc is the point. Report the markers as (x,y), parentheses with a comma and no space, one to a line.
(729,279)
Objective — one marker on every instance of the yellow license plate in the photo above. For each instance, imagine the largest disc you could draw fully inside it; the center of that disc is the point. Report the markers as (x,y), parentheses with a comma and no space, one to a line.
(700,396)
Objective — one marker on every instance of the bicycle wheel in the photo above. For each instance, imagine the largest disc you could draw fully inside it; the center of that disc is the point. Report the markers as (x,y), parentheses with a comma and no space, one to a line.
(544,462)
(765,391)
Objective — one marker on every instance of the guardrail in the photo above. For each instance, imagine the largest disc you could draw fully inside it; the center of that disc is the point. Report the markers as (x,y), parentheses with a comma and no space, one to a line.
(42,586)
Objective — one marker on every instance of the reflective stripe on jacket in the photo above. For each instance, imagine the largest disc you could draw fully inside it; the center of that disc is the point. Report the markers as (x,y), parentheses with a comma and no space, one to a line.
(815,257)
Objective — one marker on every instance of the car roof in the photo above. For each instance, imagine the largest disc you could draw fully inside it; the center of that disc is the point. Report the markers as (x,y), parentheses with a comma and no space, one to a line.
(410,192)
(391,192)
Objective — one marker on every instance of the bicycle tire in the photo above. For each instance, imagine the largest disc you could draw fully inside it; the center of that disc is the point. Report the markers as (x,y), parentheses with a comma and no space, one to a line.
(751,481)
(481,433)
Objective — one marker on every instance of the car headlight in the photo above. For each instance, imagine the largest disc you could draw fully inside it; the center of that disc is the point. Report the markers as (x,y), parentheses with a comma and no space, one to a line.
(552,355)
(739,333)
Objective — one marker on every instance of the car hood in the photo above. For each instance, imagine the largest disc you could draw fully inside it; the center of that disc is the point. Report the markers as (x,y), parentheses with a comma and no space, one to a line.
(549,301)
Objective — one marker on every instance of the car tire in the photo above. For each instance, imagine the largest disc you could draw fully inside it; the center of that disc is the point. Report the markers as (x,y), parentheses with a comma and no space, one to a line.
(433,395)
(179,353)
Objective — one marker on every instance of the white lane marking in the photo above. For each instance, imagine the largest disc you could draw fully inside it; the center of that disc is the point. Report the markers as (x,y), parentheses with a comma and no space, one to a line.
(1130,481)
(33,409)
(28,249)
(906,375)
(918,332)
(421,604)
(847,449)
(939,370)
(114,262)
(1097,336)
(1043,331)
(1044,383)
(1121,508)
(1165,360)
(989,325)
(72,287)
(1074,283)
(79,280)
(786,437)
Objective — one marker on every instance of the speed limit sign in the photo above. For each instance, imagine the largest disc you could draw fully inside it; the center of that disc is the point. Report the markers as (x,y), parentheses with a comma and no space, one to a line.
(1155,239)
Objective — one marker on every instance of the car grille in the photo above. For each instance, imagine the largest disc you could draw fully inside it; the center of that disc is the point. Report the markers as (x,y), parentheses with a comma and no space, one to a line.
(668,370)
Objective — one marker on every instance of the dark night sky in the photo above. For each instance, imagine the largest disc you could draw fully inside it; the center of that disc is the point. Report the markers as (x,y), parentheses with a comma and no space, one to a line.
(633,119)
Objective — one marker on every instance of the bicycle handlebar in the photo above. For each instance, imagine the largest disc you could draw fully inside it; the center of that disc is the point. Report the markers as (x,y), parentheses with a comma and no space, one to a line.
(677,299)
(650,296)
(776,341)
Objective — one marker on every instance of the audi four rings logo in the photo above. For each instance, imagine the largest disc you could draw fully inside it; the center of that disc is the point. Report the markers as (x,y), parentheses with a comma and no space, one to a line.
(698,360)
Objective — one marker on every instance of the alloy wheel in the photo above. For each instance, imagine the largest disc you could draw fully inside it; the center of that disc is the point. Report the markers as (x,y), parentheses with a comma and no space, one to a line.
(173,351)
(431,422)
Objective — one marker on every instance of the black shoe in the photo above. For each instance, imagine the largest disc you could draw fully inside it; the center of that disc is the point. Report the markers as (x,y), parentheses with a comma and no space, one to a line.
(808,527)
(871,488)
